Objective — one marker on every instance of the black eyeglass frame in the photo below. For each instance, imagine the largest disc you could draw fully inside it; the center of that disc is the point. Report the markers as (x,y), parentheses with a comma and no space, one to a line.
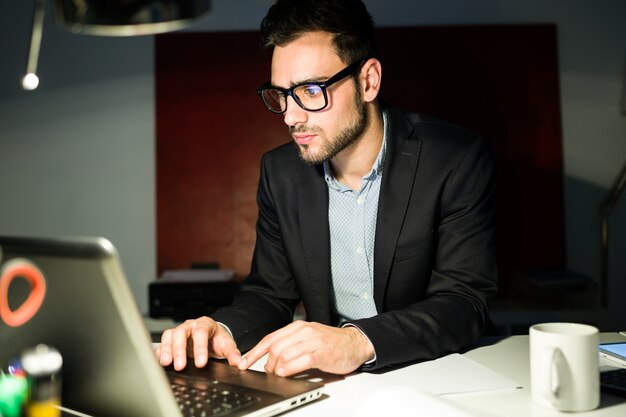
(323,85)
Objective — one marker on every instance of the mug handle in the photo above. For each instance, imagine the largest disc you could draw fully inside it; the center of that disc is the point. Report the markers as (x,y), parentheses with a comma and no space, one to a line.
(557,368)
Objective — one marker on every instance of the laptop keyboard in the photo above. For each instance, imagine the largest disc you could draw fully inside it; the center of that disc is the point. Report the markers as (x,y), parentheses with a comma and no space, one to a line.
(199,398)
(614,381)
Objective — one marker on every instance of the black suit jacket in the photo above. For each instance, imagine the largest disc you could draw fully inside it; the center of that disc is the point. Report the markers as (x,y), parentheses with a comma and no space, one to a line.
(434,254)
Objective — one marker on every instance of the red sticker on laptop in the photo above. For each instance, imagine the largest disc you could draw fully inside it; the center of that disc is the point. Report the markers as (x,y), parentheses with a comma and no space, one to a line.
(21,268)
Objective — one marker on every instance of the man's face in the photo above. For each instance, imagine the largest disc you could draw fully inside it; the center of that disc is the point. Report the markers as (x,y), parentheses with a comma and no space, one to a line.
(319,135)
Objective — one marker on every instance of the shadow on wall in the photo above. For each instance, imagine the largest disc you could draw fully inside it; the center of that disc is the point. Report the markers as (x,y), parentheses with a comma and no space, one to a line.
(574,302)
(583,200)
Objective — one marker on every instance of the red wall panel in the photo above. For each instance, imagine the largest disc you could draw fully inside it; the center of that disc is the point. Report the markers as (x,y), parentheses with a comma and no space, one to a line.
(500,80)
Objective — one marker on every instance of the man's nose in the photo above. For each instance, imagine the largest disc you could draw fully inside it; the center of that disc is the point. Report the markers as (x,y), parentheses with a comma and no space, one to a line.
(294,113)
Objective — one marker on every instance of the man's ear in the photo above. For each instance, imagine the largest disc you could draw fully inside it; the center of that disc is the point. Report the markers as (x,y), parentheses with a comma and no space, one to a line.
(371,77)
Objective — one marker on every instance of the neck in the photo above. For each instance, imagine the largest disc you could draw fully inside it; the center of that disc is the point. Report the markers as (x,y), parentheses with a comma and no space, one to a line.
(354,162)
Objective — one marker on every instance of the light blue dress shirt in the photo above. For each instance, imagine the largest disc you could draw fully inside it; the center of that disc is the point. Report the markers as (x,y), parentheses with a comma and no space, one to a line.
(352,222)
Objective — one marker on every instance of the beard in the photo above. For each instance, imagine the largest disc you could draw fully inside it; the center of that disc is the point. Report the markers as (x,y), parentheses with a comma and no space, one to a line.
(348,135)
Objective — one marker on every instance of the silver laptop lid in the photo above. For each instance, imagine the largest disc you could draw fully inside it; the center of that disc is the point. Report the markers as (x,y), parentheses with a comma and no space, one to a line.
(90,316)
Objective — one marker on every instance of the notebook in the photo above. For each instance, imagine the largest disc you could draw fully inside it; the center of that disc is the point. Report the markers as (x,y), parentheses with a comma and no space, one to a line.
(109,369)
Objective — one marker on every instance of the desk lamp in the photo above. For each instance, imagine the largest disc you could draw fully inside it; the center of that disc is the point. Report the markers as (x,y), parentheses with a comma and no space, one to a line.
(112,18)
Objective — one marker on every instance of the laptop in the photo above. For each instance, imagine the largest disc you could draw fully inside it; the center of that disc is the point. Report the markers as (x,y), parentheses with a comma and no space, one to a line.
(109,369)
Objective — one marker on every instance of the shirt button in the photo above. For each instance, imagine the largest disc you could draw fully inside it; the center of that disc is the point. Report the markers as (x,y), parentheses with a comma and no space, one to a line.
(359,250)
(365,296)
(360,201)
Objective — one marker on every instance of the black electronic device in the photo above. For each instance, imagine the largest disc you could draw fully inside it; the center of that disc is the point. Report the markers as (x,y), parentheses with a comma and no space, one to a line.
(614,381)
(183,300)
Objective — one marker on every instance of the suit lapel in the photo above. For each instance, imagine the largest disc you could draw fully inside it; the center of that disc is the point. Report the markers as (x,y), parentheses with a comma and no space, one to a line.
(399,172)
(313,213)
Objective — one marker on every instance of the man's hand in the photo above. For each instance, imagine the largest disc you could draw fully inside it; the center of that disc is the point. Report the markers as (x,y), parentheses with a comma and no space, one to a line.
(304,345)
(199,339)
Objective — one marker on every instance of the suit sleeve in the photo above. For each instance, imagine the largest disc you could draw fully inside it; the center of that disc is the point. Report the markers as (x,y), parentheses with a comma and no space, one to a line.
(453,313)
(268,296)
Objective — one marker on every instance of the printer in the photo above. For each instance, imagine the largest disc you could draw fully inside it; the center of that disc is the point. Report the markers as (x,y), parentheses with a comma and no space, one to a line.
(190,293)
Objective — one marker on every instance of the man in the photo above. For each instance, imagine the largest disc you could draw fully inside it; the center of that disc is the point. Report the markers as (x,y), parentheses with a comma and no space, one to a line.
(380,221)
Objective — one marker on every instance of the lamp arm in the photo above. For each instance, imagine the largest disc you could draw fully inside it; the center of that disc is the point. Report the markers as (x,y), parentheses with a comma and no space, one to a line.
(30,80)
(614,194)
(606,208)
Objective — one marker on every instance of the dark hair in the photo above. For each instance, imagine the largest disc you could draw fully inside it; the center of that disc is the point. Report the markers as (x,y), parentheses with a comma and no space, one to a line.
(348,20)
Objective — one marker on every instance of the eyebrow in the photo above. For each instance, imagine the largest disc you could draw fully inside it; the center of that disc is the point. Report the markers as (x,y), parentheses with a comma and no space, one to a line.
(294,83)
(309,80)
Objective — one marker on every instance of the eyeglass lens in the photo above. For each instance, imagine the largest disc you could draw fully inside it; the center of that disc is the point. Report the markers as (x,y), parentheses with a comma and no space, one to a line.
(308,96)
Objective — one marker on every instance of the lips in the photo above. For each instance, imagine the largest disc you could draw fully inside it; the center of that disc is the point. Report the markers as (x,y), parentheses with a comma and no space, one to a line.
(303,139)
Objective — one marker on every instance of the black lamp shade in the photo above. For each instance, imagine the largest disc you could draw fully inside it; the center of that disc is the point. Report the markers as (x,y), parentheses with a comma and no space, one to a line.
(128,17)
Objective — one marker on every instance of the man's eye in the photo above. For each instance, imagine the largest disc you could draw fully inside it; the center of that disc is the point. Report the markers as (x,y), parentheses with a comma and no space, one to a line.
(312,90)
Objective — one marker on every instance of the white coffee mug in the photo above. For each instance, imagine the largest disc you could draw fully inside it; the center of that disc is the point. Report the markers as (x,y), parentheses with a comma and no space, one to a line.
(564,372)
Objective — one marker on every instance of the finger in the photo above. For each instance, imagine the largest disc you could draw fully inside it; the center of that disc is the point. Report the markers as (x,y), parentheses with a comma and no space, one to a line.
(263,347)
(267,342)
(297,364)
(180,335)
(254,354)
(292,341)
(201,332)
(164,351)
(278,349)
(297,353)
(224,345)
(234,357)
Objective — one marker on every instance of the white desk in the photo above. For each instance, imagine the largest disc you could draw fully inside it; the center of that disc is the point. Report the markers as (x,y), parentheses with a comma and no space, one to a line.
(508,357)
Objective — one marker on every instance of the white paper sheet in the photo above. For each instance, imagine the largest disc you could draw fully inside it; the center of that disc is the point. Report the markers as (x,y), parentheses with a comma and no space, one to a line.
(452,374)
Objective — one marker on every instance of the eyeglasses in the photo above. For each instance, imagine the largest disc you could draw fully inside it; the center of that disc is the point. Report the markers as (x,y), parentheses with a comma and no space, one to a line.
(311,96)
